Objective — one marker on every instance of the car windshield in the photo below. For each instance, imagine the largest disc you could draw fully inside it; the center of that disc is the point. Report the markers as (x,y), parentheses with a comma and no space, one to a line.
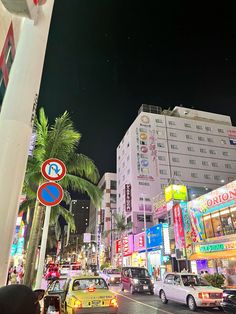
(113,271)
(57,285)
(193,280)
(85,283)
(140,273)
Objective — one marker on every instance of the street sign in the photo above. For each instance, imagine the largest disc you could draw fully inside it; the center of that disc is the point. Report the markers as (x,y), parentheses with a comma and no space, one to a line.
(87,237)
(50,194)
(53,169)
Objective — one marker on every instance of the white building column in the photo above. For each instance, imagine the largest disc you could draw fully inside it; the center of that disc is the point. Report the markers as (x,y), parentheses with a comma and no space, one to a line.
(16,124)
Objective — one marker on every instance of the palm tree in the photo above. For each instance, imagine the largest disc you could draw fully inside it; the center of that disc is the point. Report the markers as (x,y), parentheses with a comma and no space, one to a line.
(58,141)
(121,227)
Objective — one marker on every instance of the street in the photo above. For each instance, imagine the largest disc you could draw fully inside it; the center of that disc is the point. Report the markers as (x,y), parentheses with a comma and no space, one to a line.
(148,304)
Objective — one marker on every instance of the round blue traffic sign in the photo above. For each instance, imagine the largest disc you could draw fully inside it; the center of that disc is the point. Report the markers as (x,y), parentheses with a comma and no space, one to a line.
(50,194)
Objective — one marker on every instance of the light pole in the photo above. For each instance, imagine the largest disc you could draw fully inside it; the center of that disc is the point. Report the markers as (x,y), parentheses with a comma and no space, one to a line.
(145,229)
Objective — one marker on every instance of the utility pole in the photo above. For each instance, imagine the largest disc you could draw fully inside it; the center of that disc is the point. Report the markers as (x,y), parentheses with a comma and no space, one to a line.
(16,119)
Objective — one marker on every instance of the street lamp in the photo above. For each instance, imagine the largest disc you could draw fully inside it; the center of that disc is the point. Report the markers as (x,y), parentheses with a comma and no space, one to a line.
(145,228)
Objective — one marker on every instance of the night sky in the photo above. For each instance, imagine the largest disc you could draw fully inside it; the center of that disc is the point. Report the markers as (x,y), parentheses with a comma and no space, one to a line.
(105,58)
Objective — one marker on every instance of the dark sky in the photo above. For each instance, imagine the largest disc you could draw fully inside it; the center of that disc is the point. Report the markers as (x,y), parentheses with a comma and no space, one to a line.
(107,57)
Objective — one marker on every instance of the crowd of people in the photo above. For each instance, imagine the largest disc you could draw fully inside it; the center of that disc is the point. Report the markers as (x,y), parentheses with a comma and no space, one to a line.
(15,275)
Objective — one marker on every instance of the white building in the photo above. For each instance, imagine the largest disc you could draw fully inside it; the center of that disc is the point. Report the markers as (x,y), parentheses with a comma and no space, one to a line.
(193,147)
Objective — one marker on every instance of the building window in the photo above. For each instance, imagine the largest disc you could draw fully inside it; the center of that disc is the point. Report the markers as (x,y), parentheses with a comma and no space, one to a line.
(113,185)
(192,162)
(159,121)
(212,152)
(208,226)
(160,145)
(159,133)
(220,131)
(217,178)
(205,163)
(128,219)
(199,127)
(163,185)
(128,172)
(214,164)
(190,149)
(228,166)
(223,141)
(128,145)
(177,173)
(173,134)
(163,158)
(175,159)
(171,122)
(187,125)
(200,138)
(210,140)
(140,217)
(128,157)
(203,150)
(189,137)
(113,198)
(163,171)
(207,128)
(225,153)
(173,146)
(207,176)
(194,175)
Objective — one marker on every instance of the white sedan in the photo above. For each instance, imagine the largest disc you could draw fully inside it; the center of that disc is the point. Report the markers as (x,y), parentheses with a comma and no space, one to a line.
(111,275)
(189,289)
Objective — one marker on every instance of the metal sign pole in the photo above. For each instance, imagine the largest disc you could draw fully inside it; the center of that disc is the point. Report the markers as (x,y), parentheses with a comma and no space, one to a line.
(43,248)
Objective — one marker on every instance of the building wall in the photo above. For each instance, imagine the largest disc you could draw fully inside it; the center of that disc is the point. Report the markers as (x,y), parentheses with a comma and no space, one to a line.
(196,151)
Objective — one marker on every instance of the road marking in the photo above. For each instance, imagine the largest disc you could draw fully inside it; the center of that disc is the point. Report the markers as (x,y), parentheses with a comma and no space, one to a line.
(152,307)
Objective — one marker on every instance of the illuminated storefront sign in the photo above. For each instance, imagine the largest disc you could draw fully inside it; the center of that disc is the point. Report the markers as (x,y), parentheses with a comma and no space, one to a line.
(176,192)
(128,202)
(215,247)
(127,245)
(159,207)
(166,238)
(209,203)
(139,242)
(178,227)
(154,236)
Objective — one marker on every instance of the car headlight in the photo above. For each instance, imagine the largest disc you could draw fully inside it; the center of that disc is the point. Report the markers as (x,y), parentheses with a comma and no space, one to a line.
(112,279)
(204,295)
(152,280)
(135,281)
(113,302)
(77,304)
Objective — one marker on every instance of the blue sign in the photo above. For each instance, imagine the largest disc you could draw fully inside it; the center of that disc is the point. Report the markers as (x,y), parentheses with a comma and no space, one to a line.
(50,194)
(154,236)
(13,249)
(20,245)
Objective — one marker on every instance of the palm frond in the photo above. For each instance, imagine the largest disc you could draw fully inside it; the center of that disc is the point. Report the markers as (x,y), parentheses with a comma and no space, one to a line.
(81,165)
(68,216)
(81,185)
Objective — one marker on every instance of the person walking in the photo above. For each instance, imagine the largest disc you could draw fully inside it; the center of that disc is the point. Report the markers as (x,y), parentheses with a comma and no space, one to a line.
(13,277)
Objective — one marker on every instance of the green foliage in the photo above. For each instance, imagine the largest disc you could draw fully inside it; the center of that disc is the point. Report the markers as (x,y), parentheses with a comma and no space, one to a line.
(120,225)
(216,280)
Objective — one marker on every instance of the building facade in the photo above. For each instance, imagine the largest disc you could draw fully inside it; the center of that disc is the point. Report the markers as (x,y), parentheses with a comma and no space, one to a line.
(195,148)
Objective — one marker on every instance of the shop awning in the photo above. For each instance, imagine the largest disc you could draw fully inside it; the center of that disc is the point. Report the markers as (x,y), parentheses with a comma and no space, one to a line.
(213,255)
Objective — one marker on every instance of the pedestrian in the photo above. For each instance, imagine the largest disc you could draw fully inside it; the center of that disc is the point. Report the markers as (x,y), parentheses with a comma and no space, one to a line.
(154,273)
(13,277)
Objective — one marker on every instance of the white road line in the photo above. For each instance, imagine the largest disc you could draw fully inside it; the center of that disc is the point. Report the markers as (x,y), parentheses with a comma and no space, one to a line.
(144,304)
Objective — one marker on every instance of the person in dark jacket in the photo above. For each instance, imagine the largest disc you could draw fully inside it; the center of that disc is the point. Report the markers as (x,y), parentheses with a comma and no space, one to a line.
(19,299)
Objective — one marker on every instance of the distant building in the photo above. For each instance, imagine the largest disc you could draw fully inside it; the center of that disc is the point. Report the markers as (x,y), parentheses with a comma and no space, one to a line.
(80,209)
(101,219)
(183,145)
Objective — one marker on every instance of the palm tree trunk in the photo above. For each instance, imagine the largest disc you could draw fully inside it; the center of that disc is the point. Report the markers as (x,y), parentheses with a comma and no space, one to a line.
(33,244)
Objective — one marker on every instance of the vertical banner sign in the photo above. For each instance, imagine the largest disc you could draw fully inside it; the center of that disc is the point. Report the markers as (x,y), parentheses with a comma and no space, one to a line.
(178,227)
(128,203)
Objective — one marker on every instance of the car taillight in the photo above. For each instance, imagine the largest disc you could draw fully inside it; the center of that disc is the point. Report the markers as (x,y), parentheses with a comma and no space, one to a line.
(91,289)
(203,295)
(113,302)
(77,304)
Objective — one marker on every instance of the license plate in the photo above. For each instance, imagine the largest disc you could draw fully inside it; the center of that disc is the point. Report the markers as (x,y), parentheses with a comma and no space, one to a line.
(145,287)
(95,303)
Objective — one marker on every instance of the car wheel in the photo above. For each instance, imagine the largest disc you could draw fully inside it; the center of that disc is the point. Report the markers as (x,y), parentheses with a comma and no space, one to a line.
(191,303)
(132,289)
(122,287)
(152,292)
(163,297)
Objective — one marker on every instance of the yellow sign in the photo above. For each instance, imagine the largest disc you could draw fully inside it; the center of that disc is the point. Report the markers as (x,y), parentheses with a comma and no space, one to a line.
(176,192)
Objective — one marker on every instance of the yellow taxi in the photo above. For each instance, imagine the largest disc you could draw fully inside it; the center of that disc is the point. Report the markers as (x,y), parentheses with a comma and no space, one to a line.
(89,294)
(83,294)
